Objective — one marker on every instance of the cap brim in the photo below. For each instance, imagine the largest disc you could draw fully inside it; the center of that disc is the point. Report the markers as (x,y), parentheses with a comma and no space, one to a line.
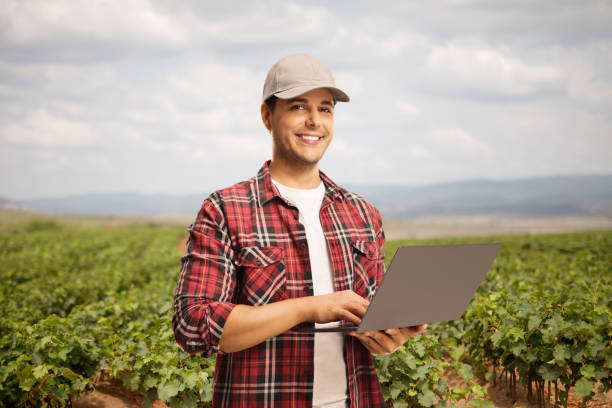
(299,90)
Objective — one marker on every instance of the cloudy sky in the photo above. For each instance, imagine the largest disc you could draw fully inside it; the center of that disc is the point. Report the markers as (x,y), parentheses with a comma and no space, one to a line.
(163,96)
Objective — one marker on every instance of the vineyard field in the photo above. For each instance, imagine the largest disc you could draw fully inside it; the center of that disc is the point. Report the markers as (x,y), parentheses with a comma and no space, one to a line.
(86,298)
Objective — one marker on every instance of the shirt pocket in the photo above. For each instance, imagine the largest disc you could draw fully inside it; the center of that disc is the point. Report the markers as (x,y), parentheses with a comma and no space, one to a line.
(367,267)
(262,273)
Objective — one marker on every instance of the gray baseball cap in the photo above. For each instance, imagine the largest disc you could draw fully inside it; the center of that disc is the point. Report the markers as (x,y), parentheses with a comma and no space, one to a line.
(297,74)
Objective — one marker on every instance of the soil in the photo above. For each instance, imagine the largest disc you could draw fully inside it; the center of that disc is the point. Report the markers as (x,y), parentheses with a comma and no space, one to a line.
(110,393)
(500,396)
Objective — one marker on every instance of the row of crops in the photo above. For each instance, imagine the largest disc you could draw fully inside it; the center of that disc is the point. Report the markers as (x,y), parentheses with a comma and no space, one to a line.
(79,300)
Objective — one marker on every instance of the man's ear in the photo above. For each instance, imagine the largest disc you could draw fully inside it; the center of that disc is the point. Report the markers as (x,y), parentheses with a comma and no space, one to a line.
(266,116)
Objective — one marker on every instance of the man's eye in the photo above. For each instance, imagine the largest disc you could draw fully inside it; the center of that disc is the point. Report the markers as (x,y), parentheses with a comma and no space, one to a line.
(297,107)
(326,110)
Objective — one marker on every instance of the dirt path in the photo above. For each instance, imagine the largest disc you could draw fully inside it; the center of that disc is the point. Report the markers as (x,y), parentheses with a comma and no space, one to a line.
(112,394)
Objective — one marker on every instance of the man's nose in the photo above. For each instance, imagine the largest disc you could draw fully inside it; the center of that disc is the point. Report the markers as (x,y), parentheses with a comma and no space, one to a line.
(313,119)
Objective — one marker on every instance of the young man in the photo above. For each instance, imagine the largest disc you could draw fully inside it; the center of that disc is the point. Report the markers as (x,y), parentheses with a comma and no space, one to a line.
(285,250)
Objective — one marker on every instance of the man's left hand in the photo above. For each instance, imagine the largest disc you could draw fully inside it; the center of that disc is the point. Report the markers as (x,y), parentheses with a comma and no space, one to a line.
(387,341)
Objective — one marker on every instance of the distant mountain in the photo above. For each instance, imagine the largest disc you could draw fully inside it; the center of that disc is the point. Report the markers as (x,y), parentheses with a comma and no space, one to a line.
(544,196)
(6,204)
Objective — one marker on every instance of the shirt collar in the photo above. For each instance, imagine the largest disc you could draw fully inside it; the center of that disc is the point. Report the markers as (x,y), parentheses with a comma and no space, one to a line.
(267,190)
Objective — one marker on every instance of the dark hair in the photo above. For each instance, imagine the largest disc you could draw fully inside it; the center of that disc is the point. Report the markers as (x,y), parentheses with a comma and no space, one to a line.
(271,102)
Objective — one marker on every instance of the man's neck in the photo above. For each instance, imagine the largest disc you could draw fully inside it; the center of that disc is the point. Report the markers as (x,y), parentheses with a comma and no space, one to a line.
(305,177)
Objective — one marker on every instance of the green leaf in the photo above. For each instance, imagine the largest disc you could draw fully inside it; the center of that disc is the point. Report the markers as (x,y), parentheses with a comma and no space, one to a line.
(555,324)
(496,338)
(190,379)
(601,320)
(584,387)
(457,352)
(168,390)
(561,353)
(460,391)
(534,321)
(150,382)
(419,349)
(601,373)
(189,400)
(481,403)
(517,333)
(595,346)
(427,398)
(40,371)
(69,374)
(588,371)
(400,404)
(548,372)
(517,348)
(396,388)
(409,360)
(464,371)
(37,358)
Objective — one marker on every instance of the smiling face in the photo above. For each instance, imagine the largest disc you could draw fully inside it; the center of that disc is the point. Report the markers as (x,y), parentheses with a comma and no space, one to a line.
(301,128)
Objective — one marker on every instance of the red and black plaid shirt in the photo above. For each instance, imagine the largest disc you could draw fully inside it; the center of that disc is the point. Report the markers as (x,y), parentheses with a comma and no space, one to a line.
(248,247)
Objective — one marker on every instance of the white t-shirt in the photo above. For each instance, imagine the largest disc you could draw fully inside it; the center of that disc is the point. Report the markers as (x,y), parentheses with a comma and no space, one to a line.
(330,385)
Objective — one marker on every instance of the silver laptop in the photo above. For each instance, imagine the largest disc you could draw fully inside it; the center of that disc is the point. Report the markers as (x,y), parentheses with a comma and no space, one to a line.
(424,284)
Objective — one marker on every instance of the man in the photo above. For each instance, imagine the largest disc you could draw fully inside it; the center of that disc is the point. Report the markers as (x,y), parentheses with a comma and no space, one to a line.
(282,251)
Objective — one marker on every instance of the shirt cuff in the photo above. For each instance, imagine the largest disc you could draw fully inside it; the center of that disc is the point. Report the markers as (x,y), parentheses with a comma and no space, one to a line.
(217,316)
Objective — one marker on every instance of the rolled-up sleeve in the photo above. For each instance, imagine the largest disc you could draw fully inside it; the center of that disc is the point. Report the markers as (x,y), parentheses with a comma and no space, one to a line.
(207,280)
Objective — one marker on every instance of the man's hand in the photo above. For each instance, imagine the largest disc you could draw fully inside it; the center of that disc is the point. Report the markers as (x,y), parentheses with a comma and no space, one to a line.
(343,305)
(387,341)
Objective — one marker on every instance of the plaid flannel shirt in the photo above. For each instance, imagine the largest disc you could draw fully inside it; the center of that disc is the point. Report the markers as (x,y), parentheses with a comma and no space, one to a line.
(247,246)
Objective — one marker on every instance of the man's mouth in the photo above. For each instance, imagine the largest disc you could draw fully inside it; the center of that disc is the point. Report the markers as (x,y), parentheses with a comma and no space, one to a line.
(309,138)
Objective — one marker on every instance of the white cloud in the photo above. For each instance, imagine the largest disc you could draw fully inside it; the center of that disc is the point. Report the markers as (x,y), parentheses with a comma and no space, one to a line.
(35,21)
(484,70)
(42,128)
(236,145)
(418,153)
(340,147)
(460,141)
(177,85)
(407,108)
(349,82)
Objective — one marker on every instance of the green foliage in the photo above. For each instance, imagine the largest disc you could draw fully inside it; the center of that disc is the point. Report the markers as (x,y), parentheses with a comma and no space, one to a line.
(78,300)
(544,313)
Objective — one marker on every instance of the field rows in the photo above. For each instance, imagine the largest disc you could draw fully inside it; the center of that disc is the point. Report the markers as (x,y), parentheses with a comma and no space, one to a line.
(79,300)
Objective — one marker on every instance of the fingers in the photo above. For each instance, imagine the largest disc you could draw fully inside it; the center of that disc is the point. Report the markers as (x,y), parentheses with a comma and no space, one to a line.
(376,342)
(387,341)
(353,307)
(368,342)
(349,317)
(344,305)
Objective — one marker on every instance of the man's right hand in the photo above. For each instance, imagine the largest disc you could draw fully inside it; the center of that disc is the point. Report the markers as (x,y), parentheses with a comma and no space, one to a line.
(247,326)
(345,305)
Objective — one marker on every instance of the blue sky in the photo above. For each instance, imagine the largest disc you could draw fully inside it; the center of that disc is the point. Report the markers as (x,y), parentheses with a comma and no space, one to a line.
(163,96)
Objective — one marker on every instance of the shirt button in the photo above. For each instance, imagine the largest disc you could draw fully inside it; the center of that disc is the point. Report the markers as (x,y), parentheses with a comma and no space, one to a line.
(258,262)
(303,245)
